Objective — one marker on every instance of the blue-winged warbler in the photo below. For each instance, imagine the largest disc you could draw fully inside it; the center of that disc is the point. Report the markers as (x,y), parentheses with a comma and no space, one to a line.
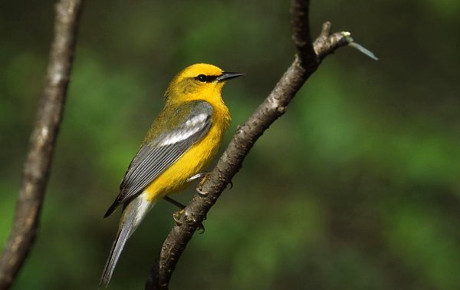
(180,143)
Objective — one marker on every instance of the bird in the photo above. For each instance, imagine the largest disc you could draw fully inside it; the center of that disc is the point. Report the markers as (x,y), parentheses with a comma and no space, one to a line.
(181,142)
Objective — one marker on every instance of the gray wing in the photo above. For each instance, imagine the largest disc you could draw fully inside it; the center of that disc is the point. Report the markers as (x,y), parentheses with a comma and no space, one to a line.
(158,154)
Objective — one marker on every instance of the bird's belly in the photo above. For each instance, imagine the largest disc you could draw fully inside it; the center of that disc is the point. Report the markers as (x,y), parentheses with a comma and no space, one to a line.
(192,162)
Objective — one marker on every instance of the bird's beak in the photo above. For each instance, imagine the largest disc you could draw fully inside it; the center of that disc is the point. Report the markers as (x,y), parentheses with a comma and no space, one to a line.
(227,76)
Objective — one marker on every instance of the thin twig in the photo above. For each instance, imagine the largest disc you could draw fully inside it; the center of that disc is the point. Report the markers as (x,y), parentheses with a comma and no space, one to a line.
(309,56)
(42,142)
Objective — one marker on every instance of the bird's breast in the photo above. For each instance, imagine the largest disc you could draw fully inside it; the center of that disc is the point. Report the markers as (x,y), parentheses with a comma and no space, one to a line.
(194,160)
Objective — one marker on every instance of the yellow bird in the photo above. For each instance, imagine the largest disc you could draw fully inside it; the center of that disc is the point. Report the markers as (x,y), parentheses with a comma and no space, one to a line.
(181,142)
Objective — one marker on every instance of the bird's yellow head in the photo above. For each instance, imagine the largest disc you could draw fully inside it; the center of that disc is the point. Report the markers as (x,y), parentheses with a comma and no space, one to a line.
(198,82)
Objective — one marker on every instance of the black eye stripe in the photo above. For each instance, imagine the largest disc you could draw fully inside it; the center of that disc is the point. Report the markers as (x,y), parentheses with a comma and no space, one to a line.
(205,79)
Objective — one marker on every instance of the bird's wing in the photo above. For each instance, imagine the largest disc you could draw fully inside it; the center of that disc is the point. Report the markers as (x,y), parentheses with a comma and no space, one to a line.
(168,142)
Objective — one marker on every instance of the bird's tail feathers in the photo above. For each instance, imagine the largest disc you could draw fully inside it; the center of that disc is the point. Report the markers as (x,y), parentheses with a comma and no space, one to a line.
(131,217)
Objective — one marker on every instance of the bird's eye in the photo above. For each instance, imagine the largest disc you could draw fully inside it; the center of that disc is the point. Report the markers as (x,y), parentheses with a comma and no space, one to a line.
(201,78)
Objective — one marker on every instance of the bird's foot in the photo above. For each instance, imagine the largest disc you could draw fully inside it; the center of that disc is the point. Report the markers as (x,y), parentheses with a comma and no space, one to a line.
(196,176)
(231,184)
(200,190)
(180,217)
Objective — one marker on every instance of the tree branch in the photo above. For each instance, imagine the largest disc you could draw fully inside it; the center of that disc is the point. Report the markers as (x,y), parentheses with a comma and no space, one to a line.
(42,142)
(309,56)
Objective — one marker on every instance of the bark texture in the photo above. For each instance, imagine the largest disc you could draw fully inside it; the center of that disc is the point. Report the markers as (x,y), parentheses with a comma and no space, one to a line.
(42,143)
(306,61)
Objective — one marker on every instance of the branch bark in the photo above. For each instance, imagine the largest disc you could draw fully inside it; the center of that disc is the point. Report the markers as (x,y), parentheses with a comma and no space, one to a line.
(309,56)
(42,142)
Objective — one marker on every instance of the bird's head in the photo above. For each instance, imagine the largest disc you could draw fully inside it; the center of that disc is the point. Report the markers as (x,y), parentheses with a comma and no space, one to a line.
(198,81)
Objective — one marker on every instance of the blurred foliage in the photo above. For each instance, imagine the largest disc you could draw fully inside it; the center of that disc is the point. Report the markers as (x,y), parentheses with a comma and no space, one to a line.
(356,187)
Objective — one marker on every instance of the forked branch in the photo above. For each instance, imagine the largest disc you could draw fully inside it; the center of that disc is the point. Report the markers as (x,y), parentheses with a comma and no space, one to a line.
(309,56)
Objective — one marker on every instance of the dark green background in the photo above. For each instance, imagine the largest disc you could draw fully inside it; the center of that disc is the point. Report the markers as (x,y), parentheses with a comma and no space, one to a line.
(356,187)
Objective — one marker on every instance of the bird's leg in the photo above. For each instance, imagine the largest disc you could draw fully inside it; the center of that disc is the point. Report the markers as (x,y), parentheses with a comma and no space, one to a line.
(199,188)
(175,202)
(196,176)
(179,217)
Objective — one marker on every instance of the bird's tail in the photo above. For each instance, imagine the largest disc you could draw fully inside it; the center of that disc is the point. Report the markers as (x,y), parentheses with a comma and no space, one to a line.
(132,216)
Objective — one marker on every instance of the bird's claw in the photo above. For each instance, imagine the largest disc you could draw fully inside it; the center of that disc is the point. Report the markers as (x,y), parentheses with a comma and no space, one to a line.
(201,229)
(180,216)
(177,216)
(201,192)
(199,188)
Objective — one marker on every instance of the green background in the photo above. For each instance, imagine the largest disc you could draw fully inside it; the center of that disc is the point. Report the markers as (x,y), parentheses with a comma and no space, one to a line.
(356,187)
